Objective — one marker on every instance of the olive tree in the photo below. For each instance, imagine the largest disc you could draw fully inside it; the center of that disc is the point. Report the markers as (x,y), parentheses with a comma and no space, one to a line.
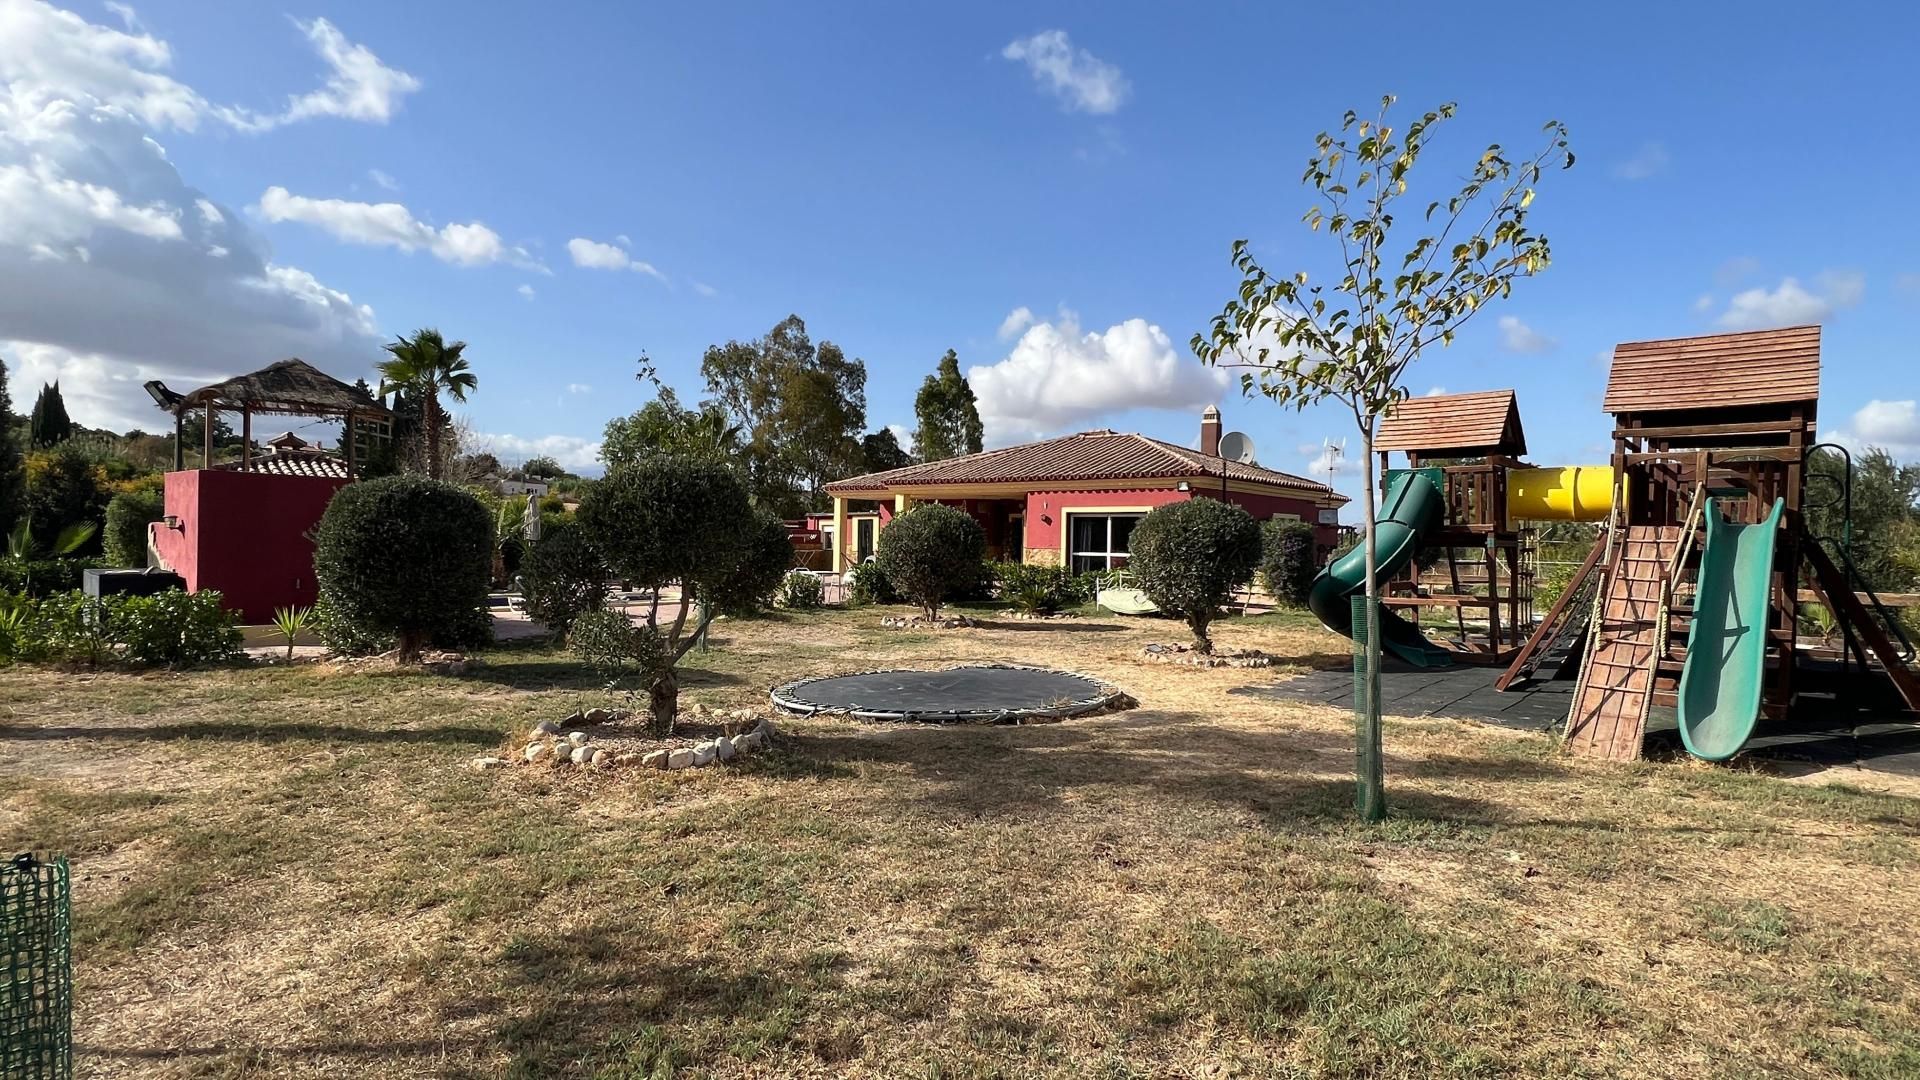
(403,558)
(677,521)
(1288,561)
(931,552)
(1189,558)
(1350,339)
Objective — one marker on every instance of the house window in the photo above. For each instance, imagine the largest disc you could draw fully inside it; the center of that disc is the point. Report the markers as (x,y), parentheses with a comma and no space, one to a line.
(1099,541)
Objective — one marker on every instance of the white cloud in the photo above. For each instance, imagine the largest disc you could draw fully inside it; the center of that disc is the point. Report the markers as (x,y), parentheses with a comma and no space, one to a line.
(48,56)
(1893,426)
(525,290)
(573,452)
(1057,377)
(579,388)
(358,86)
(1907,284)
(623,240)
(125,13)
(1326,458)
(382,179)
(594,255)
(1436,391)
(705,289)
(1516,336)
(1016,321)
(902,434)
(1790,303)
(1082,81)
(113,269)
(1703,303)
(390,224)
(1649,160)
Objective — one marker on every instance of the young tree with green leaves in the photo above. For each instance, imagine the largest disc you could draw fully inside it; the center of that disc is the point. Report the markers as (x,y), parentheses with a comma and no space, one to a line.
(664,426)
(1302,341)
(949,417)
(425,366)
(50,424)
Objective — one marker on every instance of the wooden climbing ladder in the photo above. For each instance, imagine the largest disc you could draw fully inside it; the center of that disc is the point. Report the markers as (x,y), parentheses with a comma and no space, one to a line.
(1609,714)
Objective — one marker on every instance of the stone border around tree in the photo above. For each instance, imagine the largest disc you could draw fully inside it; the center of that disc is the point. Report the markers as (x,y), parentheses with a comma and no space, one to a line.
(1187,656)
(921,622)
(549,747)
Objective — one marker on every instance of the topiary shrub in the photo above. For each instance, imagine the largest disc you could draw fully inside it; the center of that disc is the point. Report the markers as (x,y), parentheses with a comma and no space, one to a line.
(1189,557)
(404,559)
(665,520)
(767,558)
(930,553)
(1040,590)
(800,591)
(176,629)
(128,515)
(867,584)
(1288,561)
(562,579)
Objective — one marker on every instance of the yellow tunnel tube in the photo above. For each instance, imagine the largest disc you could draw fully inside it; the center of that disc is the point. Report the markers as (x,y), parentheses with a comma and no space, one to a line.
(1568,493)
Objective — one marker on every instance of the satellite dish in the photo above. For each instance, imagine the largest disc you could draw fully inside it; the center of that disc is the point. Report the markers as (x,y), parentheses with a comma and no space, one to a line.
(1235,446)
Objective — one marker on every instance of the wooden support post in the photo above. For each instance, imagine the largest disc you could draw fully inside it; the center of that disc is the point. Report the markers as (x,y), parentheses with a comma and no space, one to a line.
(179,440)
(349,433)
(246,438)
(838,559)
(206,447)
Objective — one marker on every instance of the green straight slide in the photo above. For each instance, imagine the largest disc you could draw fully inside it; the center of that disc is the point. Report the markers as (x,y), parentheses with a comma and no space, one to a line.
(1727,644)
(1413,507)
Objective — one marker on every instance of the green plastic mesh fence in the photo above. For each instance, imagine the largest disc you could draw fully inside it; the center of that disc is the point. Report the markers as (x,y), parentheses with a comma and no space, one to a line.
(1370,795)
(36,970)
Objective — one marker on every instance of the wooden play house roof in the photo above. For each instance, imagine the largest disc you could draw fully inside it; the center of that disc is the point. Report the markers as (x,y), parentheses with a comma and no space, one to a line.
(1717,371)
(1454,425)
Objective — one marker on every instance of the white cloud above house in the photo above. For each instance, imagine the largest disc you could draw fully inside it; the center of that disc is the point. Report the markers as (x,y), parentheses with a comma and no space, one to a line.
(1893,426)
(594,255)
(49,56)
(391,224)
(1016,321)
(114,269)
(1079,80)
(1058,378)
(1517,336)
(1790,303)
(571,451)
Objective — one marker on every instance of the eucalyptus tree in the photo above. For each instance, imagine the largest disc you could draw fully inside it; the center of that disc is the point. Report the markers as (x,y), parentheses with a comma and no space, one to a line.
(1301,341)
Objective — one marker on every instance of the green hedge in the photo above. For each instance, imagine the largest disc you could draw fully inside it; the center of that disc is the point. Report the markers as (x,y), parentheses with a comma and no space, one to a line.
(43,577)
(171,629)
(404,559)
(128,516)
(1288,561)
(1042,590)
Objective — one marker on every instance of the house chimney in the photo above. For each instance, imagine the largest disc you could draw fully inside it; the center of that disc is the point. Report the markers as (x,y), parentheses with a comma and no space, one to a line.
(1210,431)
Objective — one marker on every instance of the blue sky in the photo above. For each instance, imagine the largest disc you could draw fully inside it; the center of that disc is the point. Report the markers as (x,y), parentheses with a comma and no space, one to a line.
(908,178)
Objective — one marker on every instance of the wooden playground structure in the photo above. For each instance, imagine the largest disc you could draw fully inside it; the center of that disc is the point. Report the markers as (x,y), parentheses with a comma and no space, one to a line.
(1691,598)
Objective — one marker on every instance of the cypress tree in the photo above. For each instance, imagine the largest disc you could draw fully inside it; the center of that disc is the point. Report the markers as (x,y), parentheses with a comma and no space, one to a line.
(13,477)
(50,424)
(949,418)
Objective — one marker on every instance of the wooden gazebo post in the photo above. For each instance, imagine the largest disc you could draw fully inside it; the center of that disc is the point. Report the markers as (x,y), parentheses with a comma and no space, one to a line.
(206,447)
(246,438)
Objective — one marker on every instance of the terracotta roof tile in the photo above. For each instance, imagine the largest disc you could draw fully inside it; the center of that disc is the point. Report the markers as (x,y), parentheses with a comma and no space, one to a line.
(1485,422)
(1762,367)
(293,463)
(1087,456)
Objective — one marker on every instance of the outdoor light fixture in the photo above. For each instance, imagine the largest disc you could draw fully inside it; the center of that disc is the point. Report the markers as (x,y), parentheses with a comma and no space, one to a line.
(1183,486)
(171,521)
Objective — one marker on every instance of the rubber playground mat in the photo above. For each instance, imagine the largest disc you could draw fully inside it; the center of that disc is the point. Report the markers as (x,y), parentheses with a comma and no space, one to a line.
(1822,730)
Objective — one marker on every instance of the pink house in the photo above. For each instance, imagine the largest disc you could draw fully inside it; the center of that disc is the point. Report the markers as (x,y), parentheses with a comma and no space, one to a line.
(1073,501)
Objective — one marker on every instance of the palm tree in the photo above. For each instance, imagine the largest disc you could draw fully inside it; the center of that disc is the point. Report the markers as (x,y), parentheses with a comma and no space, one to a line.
(424,365)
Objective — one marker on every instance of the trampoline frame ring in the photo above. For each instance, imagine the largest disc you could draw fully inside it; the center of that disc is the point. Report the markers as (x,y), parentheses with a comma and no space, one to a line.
(787,698)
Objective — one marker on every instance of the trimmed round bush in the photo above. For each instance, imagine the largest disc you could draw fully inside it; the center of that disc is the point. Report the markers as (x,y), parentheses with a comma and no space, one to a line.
(1189,557)
(1288,561)
(930,553)
(128,515)
(405,559)
(800,591)
(563,578)
(767,558)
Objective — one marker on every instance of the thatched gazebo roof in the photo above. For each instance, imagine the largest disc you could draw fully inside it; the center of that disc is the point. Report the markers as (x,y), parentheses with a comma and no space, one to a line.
(290,387)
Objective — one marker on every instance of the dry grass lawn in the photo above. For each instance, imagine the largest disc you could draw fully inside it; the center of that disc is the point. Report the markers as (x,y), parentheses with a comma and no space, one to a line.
(288,872)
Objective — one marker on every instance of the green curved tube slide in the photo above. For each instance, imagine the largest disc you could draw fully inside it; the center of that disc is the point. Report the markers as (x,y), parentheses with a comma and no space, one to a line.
(1413,506)
(1726,661)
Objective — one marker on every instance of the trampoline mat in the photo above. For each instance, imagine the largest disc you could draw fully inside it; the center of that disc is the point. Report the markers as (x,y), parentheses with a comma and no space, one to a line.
(961,693)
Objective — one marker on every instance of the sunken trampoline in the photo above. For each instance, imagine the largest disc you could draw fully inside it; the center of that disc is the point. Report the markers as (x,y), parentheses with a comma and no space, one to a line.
(970,693)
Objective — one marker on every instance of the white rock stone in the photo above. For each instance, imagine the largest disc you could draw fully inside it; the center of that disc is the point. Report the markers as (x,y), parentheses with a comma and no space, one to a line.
(577,738)
(680,759)
(703,754)
(546,727)
(583,754)
(724,749)
(655,760)
(600,759)
(489,762)
(750,741)
(598,716)
(536,751)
